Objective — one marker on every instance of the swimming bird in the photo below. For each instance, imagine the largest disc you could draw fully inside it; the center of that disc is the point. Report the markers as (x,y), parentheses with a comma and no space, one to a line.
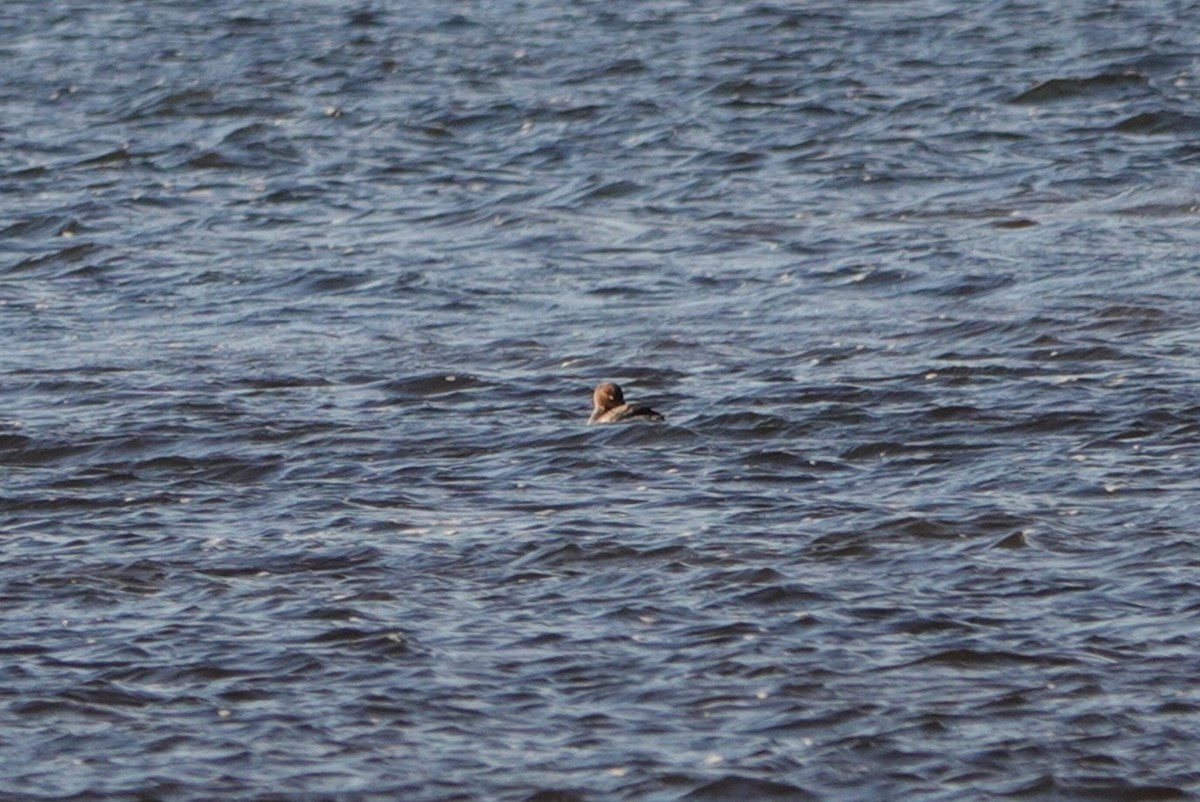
(609,406)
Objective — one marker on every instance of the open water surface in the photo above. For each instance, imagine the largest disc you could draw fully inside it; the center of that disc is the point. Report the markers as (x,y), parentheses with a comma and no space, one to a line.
(302,302)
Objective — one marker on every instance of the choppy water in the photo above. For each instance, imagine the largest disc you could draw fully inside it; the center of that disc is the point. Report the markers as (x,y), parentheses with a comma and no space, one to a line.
(302,304)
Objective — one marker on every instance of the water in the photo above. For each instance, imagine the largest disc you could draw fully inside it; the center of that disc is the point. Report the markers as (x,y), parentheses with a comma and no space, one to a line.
(302,304)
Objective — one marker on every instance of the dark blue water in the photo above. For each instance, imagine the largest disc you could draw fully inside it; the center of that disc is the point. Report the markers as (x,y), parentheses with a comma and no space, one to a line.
(301,305)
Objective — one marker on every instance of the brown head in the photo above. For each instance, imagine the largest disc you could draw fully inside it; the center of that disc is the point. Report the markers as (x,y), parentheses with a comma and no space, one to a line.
(607,396)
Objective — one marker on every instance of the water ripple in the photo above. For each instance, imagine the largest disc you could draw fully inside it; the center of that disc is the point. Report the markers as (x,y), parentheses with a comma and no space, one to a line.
(303,308)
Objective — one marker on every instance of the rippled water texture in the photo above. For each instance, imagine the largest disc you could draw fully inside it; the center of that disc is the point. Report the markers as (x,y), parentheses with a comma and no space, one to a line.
(302,304)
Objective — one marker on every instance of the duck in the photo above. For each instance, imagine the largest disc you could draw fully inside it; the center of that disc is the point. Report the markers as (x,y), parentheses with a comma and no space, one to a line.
(608,406)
